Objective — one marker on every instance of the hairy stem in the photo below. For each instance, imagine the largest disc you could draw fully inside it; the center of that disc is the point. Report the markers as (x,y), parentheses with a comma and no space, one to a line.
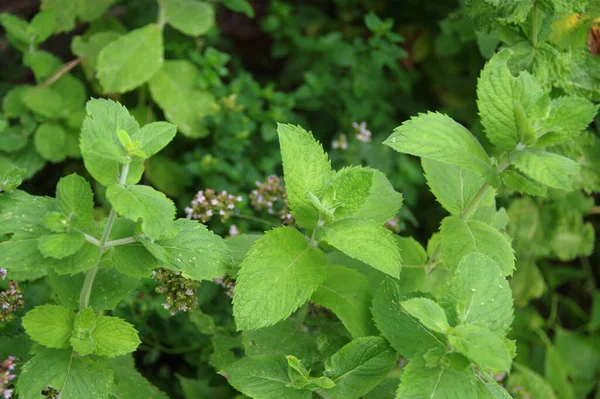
(63,70)
(161,20)
(88,282)
(120,241)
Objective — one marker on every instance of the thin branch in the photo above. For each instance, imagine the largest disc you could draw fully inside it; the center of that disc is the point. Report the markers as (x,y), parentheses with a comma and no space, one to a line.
(60,73)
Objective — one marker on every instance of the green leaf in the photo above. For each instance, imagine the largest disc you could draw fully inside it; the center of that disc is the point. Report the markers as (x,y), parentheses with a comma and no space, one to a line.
(453,187)
(50,325)
(114,337)
(348,294)
(306,170)
(239,247)
(524,381)
(84,259)
(11,176)
(478,293)
(104,119)
(49,141)
(279,274)
(364,193)
(240,6)
(82,340)
(129,383)
(73,376)
(60,245)
(65,12)
(42,26)
(460,238)
(154,137)
(27,158)
(16,28)
(364,241)
(438,382)
(481,346)
(282,338)
(527,283)
(264,377)
(75,200)
(301,378)
(429,313)
(43,101)
(522,184)
(131,60)
(89,10)
(88,48)
(438,137)
(404,332)
(143,202)
(109,289)
(191,17)
(43,64)
(202,389)
(567,118)
(12,105)
(196,251)
(13,138)
(545,167)
(359,366)
(174,90)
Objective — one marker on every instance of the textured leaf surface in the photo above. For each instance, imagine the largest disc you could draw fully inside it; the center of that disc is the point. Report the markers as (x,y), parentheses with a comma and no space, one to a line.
(481,346)
(114,337)
(264,377)
(460,238)
(50,325)
(429,313)
(306,169)
(438,137)
(365,241)
(154,137)
(454,187)
(478,293)
(143,202)
(75,377)
(404,332)
(278,275)
(359,366)
(131,60)
(191,17)
(348,294)
(567,118)
(60,245)
(129,383)
(75,199)
(545,167)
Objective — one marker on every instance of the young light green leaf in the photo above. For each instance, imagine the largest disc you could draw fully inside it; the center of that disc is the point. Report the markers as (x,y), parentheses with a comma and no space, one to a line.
(429,313)
(75,200)
(73,376)
(460,238)
(365,241)
(191,17)
(404,332)
(442,381)
(306,170)
(131,60)
(359,366)
(196,251)
(478,293)
(264,377)
(154,137)
(481,346)
(454,187)
(438,137)
(50,141)
(174,90)
(348,294)
(60,245)
(50,325)
(82,340)
(567,118)
(364,193)
(11,176)
(89,46)
(546,167)
(82,260)
(114,337)
(104,119)
(300,377)
(16,28)
(42,26)
(143,202)
(514,180)
(279,274)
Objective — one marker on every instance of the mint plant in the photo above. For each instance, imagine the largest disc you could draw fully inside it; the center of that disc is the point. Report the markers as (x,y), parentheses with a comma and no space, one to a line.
(59,236)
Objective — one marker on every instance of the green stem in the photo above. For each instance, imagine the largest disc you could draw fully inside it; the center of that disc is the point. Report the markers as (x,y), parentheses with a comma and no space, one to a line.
(536,23)
(468,212)
(86,289)
(120,241)
(162,14)
(61,72)
(256,219)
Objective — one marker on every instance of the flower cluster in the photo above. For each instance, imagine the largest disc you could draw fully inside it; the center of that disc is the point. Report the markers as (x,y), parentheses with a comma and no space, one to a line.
(207,203)
(362,134)
(179,291)
(11,300)
(2,273)
(340,143)
(270,196)
(228,283)
(6,375)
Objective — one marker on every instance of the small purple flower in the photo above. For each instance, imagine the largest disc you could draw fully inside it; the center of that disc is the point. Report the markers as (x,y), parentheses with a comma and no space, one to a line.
(362,134)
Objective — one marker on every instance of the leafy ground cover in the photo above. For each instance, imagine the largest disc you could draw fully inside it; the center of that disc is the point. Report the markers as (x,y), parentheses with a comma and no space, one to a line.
(299,199)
